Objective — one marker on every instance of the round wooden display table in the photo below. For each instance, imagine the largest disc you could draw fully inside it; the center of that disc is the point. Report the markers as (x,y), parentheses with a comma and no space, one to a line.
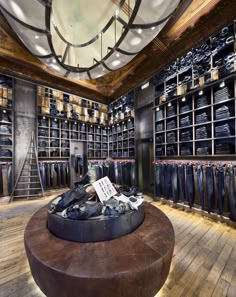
(134,265)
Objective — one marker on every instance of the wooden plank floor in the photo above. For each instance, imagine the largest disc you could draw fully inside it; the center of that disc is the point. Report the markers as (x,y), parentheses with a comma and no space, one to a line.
(204,261)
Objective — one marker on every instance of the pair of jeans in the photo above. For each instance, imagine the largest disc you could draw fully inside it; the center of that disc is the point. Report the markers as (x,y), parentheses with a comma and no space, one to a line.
(210,193)
(168,182)
(174,182)
(181,182)
(158,179)
(230,190)
(42,174)
(190,192)
(200,186)
(220,188)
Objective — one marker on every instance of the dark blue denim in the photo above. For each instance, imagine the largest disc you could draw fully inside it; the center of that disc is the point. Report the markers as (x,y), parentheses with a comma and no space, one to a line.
(158,179)
(210,187)
(220,188)
(190,192)
(9,178)
(1,180)
(174,182)
(200,187)
(181,182)
(230,189)
(168,183)
(42,174)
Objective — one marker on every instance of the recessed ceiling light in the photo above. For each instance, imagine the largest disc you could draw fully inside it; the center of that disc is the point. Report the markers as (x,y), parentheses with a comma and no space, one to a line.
(135,41)
(116,63)
(117,55)
(139,31)
(36,37)
(54,60)
(153,28)
(56,67)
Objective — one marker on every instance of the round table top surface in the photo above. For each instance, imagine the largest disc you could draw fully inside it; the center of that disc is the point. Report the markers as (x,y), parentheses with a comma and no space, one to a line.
(150,242)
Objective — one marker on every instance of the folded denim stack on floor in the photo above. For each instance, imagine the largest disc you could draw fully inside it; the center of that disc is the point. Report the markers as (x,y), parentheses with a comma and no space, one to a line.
(223,148)
(186,136)
(171,111)
(201,118)
(171,137)
(201,133)
(184,122)
(221,95)
(159,127)
(171,125)
(159,115)
(223,130)
(201,101)
(184,108)
(222,112)
(185,150)
(201,151)
(170,150)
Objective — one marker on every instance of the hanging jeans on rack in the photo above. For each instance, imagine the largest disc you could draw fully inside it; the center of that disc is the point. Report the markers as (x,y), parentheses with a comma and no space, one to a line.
(9,178)
(181,182)
(1,180)
(200,187)
(158,179)
(174,182)
(210,187)
(190,185)
(168,184)
(230,189)
(220,188)
(42,174)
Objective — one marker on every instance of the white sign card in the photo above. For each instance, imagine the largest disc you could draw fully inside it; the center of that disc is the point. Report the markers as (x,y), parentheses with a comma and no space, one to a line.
(104,189)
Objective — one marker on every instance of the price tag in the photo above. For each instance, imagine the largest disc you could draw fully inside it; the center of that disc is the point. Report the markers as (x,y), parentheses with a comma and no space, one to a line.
(104,189)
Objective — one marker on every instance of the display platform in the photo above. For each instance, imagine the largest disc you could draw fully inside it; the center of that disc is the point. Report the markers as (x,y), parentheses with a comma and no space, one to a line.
(134,265)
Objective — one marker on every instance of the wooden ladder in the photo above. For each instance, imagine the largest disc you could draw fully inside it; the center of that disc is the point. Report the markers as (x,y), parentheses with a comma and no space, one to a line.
(28,183)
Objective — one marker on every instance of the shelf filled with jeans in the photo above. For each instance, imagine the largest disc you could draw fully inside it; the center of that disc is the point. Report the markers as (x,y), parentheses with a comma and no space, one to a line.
(6,117)
(121,139)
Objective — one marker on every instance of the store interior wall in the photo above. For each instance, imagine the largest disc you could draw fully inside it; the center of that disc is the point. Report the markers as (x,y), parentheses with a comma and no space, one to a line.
(25,119)
(144,139)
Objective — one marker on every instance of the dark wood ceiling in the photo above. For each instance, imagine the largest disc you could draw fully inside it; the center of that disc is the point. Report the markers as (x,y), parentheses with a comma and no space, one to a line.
(193,21)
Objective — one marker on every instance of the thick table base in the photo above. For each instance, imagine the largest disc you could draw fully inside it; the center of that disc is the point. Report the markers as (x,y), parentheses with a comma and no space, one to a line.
(134,265)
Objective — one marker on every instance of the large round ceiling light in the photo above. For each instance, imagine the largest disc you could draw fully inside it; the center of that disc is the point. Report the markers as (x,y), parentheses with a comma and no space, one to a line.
(76,39)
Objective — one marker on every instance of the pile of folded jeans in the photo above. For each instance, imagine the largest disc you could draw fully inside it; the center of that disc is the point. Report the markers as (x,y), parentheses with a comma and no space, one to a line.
(226,65)
(171,111)
(184,122)
(201,133)
(225,37)
(5,152)
(170,150)
(201,118)
(159,115)
(184,108)
(171,88)
(222,131)
(171,137)
(186,136)
(159,139)
(159,151)
(171,125)
(201,101)
(43,143)
(221,95)
(5,141)
(185,150)
(82,203)
(222,112)
(202,151)
(171,71)
(223,148)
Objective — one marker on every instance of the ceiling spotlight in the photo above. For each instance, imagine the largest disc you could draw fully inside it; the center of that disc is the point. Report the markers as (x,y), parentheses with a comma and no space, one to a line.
(116,63)
(36,37)
(183,99)
(41,50)
(158,108)
(135,41)
(169,104)
(139,31)
(200,93)
(153,28)
(145,85)
(117,55)
(4,111)
(55,120)
(222,84)
(43,117)
(54,60)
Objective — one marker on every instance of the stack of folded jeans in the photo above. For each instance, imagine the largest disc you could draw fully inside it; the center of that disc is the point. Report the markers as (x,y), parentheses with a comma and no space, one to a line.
(171,111)
(223,148)
(201,101)
(170,150)
(171,125)
(222,112)
(184,108)
(184,122)
(201,151)
(43,132)
(201,133)
(159,115)
(227,65)
(159,151)
(170,137)
(201,118)
(186,136)
(159,139)
(185,150)
(221,95)
(223,130)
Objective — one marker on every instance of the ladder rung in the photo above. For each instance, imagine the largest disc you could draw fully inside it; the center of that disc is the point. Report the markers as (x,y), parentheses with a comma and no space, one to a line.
(25,183)
(28,176)
(28,189)
(23,196)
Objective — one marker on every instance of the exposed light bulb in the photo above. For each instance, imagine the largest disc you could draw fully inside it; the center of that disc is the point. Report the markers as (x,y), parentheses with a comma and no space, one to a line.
(116,63)
(43,117)
(4,111)
(183,99)
(135,41)
(169,104)
(158,108)
(200,93)
(222,84)
(41,50)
